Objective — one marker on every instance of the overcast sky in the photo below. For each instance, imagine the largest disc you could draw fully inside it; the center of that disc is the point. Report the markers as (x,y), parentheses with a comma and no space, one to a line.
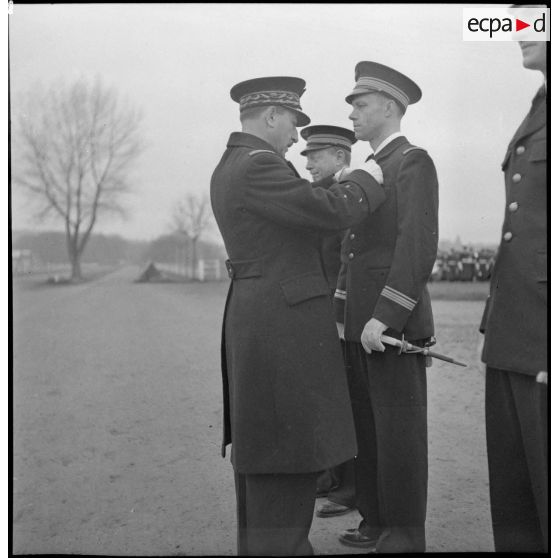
(177,62)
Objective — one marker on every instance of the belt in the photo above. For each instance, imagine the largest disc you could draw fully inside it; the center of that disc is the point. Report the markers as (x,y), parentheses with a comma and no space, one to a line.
(243,269)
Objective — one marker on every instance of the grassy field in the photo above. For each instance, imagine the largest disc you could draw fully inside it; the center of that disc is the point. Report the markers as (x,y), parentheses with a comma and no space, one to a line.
(446,290)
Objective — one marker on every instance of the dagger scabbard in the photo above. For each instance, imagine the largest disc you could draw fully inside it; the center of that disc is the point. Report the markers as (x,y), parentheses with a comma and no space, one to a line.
(406,347)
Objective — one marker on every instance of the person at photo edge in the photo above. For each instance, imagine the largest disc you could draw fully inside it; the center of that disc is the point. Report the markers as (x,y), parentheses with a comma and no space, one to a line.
(286,405)
(327,152)
(514,324)
(382,289)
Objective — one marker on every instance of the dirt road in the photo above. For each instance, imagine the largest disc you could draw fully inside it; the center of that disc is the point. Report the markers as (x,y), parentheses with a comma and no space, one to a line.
(117,424)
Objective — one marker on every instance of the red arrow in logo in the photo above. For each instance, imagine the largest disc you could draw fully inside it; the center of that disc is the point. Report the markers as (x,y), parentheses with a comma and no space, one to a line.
(519,25)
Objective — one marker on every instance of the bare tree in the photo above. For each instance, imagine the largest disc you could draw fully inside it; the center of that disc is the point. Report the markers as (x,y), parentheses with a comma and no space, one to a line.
(77,142)
(191,216)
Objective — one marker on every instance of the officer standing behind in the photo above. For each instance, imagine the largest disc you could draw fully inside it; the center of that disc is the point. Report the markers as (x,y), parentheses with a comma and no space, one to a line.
(515,345)
(388,261)
(328,152)
(286,403)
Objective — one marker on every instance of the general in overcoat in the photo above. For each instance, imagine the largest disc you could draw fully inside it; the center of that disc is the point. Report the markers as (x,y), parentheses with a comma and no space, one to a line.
(287,407)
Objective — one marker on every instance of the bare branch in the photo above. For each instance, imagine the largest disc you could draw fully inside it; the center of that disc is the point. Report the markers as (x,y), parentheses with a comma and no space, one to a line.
(77,144)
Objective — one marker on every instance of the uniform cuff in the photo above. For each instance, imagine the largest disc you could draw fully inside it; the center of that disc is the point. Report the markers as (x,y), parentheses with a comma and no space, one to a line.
(339,307)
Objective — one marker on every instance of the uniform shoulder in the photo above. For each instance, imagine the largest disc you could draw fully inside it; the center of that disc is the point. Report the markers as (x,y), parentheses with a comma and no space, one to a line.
(258,151)
(412,148)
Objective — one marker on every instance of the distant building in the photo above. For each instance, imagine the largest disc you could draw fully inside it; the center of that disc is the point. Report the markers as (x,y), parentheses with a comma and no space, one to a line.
(22,261)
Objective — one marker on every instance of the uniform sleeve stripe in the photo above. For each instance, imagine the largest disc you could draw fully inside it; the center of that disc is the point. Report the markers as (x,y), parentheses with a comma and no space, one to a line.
(340,294)
(402,295)
(397,299)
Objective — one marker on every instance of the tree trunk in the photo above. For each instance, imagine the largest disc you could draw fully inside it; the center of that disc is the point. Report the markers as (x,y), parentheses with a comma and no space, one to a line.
(76,267)
(75,259)
(195,258)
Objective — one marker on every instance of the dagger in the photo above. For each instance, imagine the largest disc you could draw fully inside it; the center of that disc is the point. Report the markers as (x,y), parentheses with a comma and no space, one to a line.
(406,347)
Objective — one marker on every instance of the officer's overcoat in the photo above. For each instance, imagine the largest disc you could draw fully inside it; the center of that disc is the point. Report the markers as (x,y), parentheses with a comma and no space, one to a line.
(388,258)
(515,317)
(286,401)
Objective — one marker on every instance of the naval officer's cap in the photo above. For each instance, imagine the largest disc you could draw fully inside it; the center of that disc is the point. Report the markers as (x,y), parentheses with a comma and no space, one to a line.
(372,77)
(321,136)
(280,91)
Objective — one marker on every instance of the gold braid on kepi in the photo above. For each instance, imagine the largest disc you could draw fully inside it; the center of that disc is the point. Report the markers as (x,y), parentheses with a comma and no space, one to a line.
(283,91)
(372,77)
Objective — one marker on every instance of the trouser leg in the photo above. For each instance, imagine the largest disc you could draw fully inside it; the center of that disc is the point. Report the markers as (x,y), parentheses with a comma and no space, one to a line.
(275,513)
(325,482)
(343,492)
(516,435)
(365,464)
(397,386)
(388,393)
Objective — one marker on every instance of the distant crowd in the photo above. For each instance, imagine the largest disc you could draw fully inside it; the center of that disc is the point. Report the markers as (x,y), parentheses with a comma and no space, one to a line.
(463,265)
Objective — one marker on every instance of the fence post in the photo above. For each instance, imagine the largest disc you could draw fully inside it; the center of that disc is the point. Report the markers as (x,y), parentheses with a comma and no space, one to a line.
(201,275)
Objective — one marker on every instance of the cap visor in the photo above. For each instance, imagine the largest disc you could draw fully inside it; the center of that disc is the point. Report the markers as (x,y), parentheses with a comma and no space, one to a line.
(314,148)
(301,118)
(356,92)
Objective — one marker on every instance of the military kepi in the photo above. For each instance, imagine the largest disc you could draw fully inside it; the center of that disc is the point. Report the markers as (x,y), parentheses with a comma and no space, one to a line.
(374,77)
(280,91)
(321,136)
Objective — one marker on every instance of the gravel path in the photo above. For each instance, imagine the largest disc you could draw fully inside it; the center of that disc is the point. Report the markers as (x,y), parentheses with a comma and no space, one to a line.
(117,424)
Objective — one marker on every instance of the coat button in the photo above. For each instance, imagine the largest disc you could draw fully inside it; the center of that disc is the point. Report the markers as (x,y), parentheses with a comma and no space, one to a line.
(513,207)
(520,149)
(352,236)
(351,256)
(516,177)
(508,236)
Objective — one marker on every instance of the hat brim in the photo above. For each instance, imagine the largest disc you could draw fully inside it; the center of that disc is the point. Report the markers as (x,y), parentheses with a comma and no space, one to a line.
(314,148)
(301,118)
(310,148)
(359,91)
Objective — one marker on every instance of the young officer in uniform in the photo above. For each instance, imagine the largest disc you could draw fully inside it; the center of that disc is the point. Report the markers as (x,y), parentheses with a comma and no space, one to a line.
(286,403)
(515,346)
(388,262)
(327,152)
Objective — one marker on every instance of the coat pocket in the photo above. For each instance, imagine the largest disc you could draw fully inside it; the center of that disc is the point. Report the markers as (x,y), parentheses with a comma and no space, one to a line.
(538,151)
(303,287)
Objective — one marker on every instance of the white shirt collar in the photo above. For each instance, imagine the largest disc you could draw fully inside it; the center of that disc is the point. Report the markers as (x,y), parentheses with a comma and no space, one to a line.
(386,141)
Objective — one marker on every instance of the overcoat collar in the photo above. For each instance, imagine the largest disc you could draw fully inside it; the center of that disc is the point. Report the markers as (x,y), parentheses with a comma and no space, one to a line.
(536,118)
(390,148)
(242,139)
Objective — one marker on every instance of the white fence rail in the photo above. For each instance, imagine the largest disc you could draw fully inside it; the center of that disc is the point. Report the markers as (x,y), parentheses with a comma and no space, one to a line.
(206,270)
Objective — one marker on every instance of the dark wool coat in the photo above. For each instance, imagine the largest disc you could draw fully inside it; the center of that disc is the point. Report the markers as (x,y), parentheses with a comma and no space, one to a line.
(286,401)
(388,258)
(515,317)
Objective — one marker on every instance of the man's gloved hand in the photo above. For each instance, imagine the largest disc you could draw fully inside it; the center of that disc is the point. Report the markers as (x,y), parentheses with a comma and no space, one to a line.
(371,167)
(371,336)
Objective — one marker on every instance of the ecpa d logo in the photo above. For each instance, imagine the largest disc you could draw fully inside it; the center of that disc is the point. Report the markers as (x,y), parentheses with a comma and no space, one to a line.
(506,24)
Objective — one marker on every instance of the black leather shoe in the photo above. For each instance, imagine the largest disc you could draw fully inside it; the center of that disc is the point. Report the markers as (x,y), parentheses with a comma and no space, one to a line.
(332,509)
(353,537)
